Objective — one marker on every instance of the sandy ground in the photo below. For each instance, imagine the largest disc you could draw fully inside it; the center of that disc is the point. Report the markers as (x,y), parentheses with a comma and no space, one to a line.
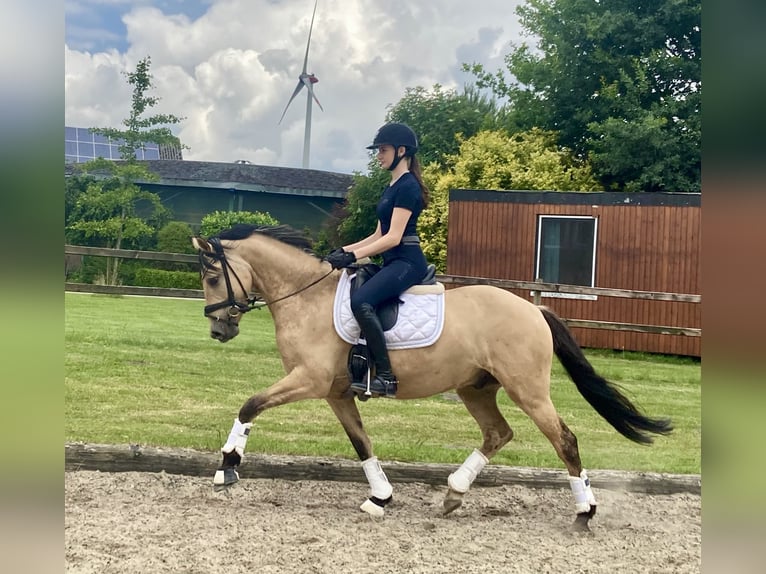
(155,523)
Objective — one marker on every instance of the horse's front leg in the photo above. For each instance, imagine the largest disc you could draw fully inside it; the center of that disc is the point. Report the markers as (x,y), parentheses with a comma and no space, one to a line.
(380,489)
(296,386)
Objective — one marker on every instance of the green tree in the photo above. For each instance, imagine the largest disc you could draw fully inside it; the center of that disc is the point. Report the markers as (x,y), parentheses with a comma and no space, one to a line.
(601,71)
(355,219)
(655,149)
(140,130)
(493,160)
(115,212)
(360,218)
(217,221)
(175,237)
(104,206)
(438,116)
(74,186)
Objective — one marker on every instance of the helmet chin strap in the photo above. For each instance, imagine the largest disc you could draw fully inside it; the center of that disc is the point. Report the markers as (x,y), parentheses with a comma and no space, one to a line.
(397,158)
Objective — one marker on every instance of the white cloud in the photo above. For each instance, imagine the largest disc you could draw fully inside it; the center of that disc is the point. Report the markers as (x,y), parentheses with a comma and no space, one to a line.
(231,71)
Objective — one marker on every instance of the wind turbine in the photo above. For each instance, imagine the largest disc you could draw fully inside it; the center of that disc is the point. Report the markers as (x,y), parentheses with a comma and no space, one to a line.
(307,80)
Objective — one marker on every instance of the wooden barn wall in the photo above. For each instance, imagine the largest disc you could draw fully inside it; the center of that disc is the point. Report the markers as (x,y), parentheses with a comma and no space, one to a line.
(647,248)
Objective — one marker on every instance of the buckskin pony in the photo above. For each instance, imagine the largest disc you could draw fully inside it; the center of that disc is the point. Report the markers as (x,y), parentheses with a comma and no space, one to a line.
(491,340)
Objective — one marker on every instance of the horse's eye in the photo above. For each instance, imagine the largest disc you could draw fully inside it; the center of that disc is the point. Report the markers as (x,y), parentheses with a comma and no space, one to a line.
(212,281)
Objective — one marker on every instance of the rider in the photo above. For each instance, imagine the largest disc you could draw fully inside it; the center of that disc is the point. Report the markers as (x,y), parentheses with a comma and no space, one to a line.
(395,238)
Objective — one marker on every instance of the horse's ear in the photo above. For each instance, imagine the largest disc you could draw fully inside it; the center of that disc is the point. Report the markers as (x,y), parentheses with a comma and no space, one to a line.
(201,244)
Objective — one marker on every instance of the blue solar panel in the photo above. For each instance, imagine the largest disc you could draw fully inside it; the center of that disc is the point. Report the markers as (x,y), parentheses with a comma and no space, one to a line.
(81,145)
(105,151)
(85,149)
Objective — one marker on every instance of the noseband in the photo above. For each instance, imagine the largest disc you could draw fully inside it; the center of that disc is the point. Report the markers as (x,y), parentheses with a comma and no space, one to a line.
(236,307)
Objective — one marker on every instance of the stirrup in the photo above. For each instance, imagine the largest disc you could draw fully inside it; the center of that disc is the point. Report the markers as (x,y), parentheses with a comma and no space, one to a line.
(378,387)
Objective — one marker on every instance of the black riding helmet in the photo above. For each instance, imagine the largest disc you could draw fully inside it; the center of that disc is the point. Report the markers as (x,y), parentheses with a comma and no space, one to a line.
(397,135)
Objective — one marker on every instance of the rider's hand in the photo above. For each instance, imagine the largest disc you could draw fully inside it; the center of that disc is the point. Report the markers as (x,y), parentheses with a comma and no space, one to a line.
(340,259)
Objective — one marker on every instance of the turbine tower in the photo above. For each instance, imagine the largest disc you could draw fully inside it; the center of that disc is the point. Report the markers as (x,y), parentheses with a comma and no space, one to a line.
(307,80)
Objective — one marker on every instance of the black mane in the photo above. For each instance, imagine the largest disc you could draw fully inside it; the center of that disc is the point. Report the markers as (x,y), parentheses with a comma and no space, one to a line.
(283,233)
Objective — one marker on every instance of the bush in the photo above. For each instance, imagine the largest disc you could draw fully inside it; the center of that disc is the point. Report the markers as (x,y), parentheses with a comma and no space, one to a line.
(175,237)
(89,270)
(217,221)
(147,277)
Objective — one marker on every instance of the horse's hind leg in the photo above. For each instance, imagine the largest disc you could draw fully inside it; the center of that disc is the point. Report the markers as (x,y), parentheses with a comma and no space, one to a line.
(380,489)
(481,402)
(544,414)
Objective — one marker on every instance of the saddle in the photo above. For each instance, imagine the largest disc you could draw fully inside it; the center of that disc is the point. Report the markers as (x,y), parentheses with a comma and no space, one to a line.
(359,359)
(388,311)
(418,313)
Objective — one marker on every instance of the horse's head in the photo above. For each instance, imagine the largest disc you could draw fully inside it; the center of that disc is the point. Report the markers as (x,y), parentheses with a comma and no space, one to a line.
(227,281)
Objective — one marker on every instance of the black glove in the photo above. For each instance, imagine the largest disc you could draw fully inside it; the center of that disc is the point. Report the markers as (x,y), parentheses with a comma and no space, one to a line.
(340,259)
(336,252)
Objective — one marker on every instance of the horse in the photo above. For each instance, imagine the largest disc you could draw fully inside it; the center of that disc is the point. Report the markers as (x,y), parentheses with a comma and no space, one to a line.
(492,339)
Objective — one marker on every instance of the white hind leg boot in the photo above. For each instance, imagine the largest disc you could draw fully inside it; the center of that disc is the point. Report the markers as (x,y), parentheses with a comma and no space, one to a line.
(380,488)
(588,490)
(461,480)
(583,494)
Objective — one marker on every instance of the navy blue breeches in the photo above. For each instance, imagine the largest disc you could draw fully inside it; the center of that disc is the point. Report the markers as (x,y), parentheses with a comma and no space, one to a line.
(391,281)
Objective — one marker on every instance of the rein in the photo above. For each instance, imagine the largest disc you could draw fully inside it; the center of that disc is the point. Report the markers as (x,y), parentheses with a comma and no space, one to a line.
(235,307)
(301,289)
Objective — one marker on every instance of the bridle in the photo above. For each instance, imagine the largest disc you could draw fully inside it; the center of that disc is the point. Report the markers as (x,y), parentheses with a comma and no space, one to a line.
(236,308)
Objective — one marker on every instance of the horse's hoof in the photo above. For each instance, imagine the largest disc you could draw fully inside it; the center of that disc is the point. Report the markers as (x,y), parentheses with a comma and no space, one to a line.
(452,502)
(375,507)
(581,523)
(224,478)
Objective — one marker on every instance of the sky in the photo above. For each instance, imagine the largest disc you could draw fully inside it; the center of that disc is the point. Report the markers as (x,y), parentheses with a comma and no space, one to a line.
(229,68)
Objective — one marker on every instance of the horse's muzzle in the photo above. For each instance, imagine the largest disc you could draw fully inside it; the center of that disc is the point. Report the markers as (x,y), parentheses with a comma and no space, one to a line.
(223,330)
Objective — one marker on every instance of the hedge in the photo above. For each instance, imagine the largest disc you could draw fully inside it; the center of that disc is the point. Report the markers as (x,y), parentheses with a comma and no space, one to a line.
(147,277)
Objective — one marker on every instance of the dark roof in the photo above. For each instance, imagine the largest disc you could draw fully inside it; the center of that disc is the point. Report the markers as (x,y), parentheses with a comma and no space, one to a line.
(248,177)
(677,199)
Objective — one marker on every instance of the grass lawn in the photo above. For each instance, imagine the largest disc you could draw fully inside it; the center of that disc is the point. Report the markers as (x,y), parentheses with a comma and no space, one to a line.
(145,370)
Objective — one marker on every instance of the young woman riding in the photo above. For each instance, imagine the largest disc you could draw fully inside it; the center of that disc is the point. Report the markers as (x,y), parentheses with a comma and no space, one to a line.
(396,239)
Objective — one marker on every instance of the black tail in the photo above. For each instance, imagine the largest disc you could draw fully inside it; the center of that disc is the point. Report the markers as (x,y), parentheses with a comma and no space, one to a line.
(602,395)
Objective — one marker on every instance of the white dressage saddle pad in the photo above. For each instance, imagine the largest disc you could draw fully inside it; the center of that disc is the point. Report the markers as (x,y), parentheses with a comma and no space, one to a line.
(419,324)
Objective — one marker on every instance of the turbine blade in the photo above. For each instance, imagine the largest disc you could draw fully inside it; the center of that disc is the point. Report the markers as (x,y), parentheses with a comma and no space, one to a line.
(311,91)
(295,93)
(311,27)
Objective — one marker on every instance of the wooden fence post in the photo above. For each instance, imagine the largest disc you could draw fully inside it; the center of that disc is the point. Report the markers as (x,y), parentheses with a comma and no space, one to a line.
(537,293)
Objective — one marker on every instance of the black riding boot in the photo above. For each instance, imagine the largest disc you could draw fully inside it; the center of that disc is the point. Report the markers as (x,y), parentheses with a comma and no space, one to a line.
(384,383)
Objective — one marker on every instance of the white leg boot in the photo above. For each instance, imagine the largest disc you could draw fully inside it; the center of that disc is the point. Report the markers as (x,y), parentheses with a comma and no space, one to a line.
(235,443)
(461,480)
(380,488)
(583,494)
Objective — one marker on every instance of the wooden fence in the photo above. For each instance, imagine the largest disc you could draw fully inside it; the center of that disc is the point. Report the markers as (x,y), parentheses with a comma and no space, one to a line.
(535,287)
(137,458)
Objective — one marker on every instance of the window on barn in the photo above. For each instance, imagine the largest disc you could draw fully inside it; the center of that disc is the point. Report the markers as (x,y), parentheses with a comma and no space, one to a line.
(566,250)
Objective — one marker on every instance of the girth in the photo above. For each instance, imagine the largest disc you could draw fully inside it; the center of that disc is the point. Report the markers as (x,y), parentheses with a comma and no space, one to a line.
(387,311)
